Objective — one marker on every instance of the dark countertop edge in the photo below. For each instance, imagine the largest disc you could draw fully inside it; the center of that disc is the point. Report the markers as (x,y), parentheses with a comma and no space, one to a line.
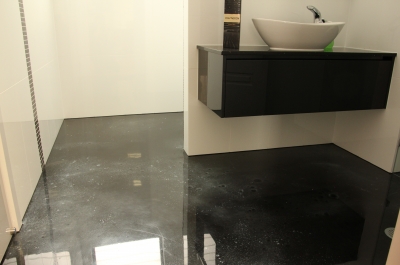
(340,50)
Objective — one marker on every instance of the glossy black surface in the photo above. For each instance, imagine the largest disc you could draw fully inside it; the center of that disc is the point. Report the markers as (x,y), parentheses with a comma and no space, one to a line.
(265,50)
(124,186)
(302,205)
(245,85)
(253,81)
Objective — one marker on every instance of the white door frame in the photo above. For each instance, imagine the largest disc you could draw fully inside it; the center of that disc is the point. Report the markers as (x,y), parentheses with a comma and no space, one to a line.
(7,191)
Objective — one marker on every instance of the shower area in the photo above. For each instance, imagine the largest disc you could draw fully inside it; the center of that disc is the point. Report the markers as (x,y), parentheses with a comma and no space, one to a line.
(77,59)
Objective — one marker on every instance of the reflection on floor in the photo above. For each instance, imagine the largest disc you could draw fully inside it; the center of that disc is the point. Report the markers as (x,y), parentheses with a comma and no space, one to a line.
(146,251)
(120,190)
(50,258)
(281,224)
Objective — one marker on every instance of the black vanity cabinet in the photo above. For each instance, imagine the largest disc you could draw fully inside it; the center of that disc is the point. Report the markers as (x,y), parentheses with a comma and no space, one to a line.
(254,81)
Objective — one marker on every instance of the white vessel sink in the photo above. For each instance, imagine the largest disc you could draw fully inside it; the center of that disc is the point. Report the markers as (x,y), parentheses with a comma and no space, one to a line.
(293,36)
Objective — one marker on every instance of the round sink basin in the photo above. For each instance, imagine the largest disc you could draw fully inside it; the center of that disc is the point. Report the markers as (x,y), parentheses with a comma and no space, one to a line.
(293,36)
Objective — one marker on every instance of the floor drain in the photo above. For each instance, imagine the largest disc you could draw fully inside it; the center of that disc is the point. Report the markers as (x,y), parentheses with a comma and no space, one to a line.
(389,232)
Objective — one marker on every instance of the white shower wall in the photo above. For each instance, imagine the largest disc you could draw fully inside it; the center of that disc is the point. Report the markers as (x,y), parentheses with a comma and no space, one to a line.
(120,57)
(19,153)
(39,15)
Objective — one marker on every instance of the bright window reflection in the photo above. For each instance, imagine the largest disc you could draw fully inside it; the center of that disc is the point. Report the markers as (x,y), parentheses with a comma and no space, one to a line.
(143,252)
(12,261)
(210,249)
(185,250)
(50,258)
(62,258)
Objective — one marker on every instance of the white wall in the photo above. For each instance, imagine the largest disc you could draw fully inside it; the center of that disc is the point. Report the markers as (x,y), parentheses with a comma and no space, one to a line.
(19,153)
(120,57)
(205,132)
(39,15)
(373,135)
(20,156)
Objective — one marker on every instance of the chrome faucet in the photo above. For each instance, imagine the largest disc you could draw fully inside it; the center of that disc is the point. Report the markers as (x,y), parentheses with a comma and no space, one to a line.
(317,14)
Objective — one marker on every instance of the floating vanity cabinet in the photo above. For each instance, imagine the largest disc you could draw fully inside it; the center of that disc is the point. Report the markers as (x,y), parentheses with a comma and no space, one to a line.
(254,81)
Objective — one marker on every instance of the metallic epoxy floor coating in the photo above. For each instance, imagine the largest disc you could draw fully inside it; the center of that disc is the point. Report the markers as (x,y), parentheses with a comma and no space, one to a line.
(120,190)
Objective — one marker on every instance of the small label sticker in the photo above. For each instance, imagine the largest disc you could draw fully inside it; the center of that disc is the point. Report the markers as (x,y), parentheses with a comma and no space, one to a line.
(232,18)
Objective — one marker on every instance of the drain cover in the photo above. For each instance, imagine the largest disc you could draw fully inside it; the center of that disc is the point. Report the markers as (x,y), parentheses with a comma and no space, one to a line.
(389,232)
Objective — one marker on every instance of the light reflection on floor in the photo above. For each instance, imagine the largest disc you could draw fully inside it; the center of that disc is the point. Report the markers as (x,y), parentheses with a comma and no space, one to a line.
(210,250)
(113,183)
(143,252)
(61,258)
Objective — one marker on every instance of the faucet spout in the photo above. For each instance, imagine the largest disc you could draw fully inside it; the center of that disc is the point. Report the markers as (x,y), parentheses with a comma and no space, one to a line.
(317,14)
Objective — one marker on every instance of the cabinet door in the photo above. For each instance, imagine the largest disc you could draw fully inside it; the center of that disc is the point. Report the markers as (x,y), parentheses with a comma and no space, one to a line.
(272,87)
(294,86)
(245,87)
(351,85)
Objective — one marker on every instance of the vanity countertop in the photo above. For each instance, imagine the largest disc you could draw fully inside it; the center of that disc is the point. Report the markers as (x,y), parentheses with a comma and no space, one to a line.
(336,52)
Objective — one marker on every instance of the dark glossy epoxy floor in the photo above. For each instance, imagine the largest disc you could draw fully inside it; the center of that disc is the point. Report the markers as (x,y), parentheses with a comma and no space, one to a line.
(120,190)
